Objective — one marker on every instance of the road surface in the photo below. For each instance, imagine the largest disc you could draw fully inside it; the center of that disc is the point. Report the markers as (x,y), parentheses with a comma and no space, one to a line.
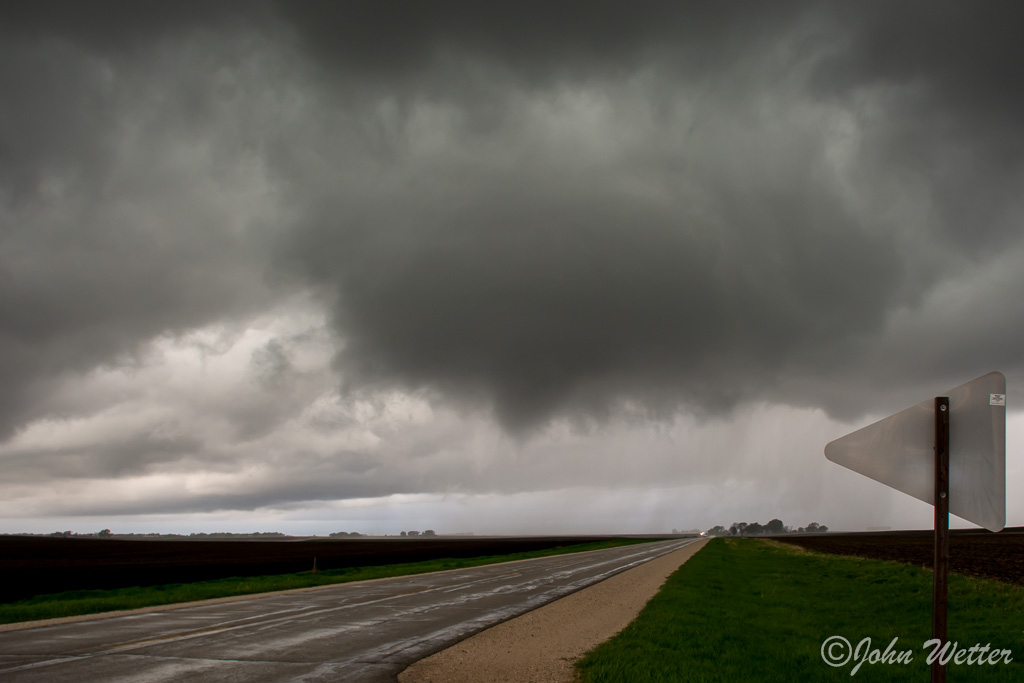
(351,632)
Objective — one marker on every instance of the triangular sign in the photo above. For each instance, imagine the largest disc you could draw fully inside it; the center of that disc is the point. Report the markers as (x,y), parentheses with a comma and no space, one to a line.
(898,451)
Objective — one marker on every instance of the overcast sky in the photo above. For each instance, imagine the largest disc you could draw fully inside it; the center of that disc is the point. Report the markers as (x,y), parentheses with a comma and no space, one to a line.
(496,267)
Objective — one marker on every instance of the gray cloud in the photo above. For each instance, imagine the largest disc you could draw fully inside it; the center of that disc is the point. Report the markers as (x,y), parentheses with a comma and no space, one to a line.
(130,205)
(737,207)
(540,211)
(112,26)
(538,41)
(125,455)
(544,295)
(552,271)
(952,102)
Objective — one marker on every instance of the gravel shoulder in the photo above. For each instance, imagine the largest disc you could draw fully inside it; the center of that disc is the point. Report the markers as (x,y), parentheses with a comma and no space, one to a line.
(541,646)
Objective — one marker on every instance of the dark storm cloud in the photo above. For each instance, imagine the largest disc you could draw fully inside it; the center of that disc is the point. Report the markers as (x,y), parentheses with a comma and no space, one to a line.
(66,67)
(119,184)
(944,129)
(548,298)
(536,39)
(115,25)
(549,208)
(954,101)
(966,57)
(503,271)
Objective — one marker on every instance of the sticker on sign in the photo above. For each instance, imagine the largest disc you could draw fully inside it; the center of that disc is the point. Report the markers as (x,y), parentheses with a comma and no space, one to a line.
(997,399)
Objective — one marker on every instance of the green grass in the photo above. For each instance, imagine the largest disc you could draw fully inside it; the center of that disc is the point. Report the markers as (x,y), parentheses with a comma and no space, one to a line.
(751,610)
(72,603)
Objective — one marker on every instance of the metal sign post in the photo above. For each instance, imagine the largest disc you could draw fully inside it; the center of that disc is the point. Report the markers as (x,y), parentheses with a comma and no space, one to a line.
(910,452)
(940,578)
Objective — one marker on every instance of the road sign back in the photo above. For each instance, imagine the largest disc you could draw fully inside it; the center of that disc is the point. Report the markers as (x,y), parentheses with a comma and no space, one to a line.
(898,451)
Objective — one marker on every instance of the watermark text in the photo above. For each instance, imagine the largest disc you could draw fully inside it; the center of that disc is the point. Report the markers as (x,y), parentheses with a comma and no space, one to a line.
(837,651)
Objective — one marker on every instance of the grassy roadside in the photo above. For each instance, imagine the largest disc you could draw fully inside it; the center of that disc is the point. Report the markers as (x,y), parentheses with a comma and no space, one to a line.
(743,610)
(74,603)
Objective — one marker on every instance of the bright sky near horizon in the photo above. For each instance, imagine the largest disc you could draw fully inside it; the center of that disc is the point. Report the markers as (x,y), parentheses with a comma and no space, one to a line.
(530,267)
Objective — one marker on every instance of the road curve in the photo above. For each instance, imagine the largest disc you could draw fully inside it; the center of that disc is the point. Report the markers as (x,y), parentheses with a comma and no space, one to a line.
(351,632)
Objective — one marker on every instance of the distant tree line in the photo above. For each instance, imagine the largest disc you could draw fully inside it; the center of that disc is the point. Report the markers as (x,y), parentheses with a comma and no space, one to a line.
(773,528)
(428,532)
(346,534)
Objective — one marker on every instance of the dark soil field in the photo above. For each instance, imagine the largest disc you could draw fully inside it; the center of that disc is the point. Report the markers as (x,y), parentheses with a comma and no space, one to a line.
(34,565)
(975,553)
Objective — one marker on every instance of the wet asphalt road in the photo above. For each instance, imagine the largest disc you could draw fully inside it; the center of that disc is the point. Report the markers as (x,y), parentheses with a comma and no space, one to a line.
(352,632)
